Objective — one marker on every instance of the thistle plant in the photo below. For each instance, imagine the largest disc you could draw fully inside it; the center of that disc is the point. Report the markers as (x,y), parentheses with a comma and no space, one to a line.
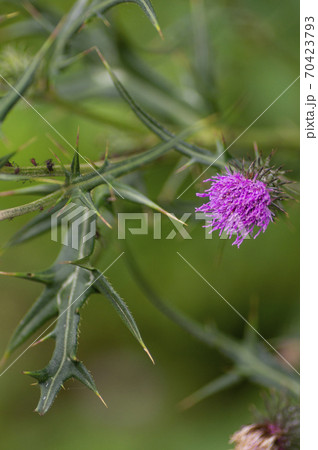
(72,278)
(242,199)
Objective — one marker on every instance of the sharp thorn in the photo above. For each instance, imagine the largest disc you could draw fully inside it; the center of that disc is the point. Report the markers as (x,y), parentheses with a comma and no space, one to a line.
(149,354)
(160,32)
(101,399)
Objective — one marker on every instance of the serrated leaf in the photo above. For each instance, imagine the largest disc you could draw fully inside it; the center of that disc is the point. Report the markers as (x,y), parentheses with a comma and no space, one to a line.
(103,286)
(47,305)
(66,291)
(63,365)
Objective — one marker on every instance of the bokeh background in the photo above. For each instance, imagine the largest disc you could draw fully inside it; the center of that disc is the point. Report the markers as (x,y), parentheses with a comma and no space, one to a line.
(252,56)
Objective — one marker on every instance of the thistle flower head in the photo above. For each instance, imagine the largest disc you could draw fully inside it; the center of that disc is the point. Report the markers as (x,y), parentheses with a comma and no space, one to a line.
(257,437)
(242,201)
(278,429)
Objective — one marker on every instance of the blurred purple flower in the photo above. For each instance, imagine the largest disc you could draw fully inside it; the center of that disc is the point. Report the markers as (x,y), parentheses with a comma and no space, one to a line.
(257,437)
(278,429)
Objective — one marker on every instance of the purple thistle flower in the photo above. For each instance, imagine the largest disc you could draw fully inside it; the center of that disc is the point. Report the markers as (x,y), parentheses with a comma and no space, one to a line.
(278,429)
(241,201)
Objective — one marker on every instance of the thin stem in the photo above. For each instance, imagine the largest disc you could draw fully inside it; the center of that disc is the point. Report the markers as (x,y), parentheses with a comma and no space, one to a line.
(37,205)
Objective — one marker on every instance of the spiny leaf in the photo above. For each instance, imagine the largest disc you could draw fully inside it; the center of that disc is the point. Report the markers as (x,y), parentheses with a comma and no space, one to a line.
(103,286)
(63,365)
(66,291)
(193,151)
(46,305)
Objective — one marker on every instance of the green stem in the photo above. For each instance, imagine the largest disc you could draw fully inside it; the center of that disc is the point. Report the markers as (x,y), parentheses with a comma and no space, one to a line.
(246,359)
(42,171)
(37,205)
(93,179)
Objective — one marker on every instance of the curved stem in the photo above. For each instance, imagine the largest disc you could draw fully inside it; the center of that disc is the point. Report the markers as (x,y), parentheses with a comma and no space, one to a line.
(247,360)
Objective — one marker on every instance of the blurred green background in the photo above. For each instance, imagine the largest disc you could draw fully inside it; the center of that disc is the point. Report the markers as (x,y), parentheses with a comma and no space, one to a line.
(254,56)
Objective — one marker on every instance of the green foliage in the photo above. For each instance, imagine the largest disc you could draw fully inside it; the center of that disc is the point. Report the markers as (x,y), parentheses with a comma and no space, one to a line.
(65,294)
(66,288)
(73,277)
